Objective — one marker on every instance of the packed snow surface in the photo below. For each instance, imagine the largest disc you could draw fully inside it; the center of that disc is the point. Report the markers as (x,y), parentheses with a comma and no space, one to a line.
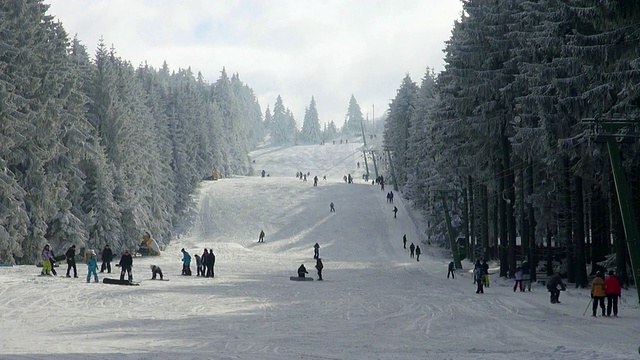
(375,301)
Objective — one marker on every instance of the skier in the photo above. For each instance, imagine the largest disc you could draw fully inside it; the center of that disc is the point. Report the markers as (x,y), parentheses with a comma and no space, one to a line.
(261,237)
(518,279)
(92,267)
(302,270)
(46,257)
(598,293)
(485,271)
(395,212)
(412,249)
(126,263)
(332,207)
(316,251)
(552,286)
(211,262)
(155,270)
(315,180)
(404,240)
(186,263)
(107,257)
(613,289)
(71,261)
(319,266)
(418,252)
(452,270)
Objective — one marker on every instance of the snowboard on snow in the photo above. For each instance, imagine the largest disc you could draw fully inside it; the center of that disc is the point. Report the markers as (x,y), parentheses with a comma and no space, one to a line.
(118,282)
(159,279)
(297,278)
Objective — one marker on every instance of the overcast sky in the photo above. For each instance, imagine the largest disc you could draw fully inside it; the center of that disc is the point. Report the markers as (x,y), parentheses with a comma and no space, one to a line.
(328,49)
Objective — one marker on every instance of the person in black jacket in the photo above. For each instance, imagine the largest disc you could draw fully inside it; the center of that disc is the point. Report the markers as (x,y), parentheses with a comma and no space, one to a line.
(302,270)
(155,270)
(126,263)
(71,261)
(552,286)
(107,257)
(211,262)
(319,267)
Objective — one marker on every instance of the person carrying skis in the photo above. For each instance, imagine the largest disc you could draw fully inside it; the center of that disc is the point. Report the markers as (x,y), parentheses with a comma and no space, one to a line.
(552,286)
(598,293)
(92,267)
(46,257)
(155,270)
(316,251)
(319,267)
(261,237)
(452,270)
(71,261)
(126,263)
(418,252)
(412,249)
(302,270)
(613,289)
(107,257)
(186,263)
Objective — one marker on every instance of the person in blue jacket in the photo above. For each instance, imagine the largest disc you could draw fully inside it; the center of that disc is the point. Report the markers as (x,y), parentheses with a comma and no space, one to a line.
(92,266)
(186,263)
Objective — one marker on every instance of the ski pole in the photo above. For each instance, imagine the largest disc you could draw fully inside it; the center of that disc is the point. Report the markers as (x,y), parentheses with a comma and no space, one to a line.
(585,310)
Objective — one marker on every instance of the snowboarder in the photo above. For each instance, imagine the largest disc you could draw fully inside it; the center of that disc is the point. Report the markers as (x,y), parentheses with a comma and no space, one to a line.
(316,251)
(71,261)
(518,279)
(412,249)
(452,270)
(478,273)
(261,237)
(598,293)
(46,257)
(107,257)
(613,289)
(395,212)
(302,270)
(199,266)
(211,262)
(126,263)
(418,252)
(92,267)
(155,270)
(186,263)
(552,286)
(332,207)
(319,266)
(404,240)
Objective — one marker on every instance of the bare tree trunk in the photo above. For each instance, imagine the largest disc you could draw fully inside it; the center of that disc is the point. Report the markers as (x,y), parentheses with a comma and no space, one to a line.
(580,264)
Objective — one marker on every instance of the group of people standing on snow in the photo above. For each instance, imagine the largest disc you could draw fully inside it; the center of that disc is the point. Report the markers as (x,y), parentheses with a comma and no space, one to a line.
(205,263)
(48,260)
(302,270)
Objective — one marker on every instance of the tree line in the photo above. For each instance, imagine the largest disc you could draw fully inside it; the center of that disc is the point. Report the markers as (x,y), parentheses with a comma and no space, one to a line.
(499,134)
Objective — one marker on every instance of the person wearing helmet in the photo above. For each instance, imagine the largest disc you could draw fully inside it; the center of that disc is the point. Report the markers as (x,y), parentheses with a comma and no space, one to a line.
(598,293)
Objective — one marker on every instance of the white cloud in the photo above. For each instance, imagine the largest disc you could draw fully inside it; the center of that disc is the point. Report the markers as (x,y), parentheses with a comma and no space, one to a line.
(329,49)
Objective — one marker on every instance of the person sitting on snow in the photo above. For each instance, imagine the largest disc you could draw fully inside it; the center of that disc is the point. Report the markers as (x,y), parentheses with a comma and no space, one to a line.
(155,270)
(302,270)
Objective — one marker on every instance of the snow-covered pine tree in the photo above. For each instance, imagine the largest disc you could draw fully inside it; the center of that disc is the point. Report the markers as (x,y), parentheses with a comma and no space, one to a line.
(310,132)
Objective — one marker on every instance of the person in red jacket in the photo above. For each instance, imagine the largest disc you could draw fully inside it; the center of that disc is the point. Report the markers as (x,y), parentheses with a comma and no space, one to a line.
(613,291)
